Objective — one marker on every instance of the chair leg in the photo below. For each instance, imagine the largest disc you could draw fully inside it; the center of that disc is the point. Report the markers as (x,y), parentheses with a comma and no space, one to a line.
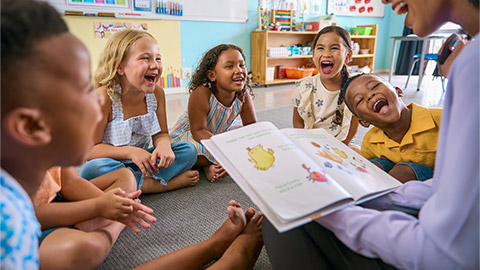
(410,72)
(441,76)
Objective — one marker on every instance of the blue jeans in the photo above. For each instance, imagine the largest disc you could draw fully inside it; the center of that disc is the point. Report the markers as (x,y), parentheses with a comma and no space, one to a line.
(185,158)
(421,171)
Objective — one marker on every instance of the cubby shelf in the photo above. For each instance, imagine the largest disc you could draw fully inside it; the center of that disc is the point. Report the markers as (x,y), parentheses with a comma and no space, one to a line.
(263,40)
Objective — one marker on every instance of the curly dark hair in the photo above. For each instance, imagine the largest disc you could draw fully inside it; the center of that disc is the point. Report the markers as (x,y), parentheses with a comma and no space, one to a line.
(343,91)
(208,63)
(24,23)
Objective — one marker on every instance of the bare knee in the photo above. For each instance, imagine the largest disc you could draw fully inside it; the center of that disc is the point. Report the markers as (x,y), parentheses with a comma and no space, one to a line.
(77,252)
(124,179)
(403,173)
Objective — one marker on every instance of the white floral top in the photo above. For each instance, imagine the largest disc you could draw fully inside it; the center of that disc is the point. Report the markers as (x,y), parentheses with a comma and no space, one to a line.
(317,105)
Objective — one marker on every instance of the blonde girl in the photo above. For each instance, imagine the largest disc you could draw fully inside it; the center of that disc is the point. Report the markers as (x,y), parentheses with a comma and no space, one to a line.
(133,132)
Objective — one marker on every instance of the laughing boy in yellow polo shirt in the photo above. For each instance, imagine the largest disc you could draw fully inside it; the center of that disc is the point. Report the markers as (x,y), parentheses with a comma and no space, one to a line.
(403,141)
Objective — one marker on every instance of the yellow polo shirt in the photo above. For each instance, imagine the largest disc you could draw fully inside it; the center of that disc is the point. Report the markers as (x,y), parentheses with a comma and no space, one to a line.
(419,145)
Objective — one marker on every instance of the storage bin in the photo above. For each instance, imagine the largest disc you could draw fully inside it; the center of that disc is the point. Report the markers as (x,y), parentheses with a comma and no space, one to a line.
(270,73)
(279,51)
(361,31)
(298,73)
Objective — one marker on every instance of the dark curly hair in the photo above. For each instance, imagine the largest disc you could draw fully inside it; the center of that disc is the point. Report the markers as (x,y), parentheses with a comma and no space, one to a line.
(338,119)
(208,63)
(24,23)
(343,91)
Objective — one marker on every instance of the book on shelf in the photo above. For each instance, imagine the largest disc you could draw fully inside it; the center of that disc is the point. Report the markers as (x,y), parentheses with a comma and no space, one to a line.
(297,175)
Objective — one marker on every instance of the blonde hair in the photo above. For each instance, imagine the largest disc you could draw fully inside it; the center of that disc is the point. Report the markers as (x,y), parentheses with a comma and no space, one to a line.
(114,53)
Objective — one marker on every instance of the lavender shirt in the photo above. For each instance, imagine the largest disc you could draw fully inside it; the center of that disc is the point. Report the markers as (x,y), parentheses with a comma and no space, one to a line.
(446,233)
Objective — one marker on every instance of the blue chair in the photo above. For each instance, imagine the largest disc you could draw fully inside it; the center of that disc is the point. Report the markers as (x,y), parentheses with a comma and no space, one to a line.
(428,57)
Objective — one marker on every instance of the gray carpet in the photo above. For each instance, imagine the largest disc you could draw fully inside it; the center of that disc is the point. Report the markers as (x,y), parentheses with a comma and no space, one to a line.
(186,216)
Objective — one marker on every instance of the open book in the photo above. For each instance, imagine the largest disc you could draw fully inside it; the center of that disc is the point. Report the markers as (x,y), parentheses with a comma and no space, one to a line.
(296,175)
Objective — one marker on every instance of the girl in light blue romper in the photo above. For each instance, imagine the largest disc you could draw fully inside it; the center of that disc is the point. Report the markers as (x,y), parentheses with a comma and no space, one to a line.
(141,142)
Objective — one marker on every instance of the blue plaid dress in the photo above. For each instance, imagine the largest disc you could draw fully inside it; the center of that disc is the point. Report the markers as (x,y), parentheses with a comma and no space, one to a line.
(135,131)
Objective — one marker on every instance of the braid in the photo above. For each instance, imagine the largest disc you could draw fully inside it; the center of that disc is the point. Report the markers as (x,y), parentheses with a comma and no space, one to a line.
(338,119)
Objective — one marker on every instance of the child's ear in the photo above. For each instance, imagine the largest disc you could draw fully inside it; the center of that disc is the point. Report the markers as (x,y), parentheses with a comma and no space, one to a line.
(348,58)
(399,91)
(27,126)
(364,123)
(211,75)
(120,70)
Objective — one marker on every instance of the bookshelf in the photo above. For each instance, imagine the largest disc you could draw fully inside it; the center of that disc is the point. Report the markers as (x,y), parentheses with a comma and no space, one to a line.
(263,40)
(366,42)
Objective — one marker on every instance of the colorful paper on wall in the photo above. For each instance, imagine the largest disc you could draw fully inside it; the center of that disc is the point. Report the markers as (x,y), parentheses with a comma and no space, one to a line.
(100,3)
(170,78)
(106,29)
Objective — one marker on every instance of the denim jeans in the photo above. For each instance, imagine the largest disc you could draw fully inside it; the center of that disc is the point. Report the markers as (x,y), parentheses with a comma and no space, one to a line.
(185,158)
(421,171)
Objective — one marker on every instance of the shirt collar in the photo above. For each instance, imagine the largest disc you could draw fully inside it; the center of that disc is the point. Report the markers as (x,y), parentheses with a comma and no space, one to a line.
(421,121)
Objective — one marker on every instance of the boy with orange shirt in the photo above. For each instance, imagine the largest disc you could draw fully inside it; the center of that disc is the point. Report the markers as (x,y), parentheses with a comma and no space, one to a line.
(403,141)
(48,108)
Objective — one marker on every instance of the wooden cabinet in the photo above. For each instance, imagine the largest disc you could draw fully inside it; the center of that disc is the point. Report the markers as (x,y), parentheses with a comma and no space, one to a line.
(365,42)
(262,41)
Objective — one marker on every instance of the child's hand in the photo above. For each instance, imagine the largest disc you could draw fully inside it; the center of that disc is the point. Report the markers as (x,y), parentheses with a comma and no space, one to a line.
(141,158)
(114,205)
(139,215)
(164,156)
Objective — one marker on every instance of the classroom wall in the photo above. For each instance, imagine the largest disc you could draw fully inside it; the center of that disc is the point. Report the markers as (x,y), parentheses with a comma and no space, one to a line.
(182,43)
(198,37)
(166,32)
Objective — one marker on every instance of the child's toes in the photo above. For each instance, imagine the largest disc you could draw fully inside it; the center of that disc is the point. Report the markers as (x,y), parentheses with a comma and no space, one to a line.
(249,213)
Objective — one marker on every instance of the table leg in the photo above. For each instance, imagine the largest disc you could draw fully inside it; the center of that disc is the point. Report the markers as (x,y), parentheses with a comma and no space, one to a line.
(393,60)
(422,65)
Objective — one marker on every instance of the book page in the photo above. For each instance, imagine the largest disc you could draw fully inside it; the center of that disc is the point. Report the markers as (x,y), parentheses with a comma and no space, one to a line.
(289,183)
(353,172)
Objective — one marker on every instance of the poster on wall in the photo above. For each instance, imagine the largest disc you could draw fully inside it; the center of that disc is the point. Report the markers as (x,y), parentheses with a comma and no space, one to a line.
(99,3)
(359,8)
(106,29)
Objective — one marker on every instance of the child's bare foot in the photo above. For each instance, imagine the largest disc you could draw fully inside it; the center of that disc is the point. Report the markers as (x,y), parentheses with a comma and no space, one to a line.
(231,228)
(213,172)
(253,239)
(186,179)
(245,249)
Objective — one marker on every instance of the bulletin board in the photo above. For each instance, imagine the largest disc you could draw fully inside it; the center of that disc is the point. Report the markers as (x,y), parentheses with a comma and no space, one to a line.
(83,28)
(358,8)
(193,10)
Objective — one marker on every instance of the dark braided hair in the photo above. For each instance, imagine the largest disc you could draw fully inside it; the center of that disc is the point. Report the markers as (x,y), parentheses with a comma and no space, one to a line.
(24,23)
(208,63)
(338,119)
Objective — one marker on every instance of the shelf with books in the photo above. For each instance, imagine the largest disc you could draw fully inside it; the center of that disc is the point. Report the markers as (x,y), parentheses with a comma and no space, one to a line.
(262,41)
(366,43)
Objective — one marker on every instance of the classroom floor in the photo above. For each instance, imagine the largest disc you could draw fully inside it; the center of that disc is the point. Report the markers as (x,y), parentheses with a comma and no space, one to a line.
(276,96)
